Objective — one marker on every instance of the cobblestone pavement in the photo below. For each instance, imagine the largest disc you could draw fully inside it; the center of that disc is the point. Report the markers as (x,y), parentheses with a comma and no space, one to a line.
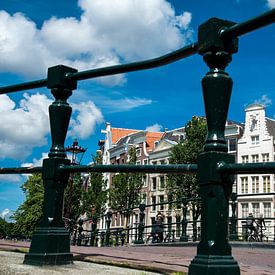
(166,259)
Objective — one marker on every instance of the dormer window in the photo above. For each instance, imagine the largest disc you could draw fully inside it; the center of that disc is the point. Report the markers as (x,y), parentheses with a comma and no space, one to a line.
(255,140)
(138,152)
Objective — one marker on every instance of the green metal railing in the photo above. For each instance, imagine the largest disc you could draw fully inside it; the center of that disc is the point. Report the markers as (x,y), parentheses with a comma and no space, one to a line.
(217,41)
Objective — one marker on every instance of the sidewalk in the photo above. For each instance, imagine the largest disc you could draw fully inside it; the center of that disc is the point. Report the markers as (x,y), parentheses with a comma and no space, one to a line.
(166,259)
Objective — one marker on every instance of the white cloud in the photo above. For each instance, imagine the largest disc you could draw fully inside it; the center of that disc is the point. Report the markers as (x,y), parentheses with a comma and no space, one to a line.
(27,126)
(271,3)
(265,100)
(35,162)
(107,33)
(23,127)
(154,128)
(5,212)
(87,116)
(125,104)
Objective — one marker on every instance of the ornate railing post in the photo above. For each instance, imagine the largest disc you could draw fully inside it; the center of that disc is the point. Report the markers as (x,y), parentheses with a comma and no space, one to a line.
(233,220)
(140,240)
(184,222)
(51,241)
(108,224)
(213,251)
(93,230)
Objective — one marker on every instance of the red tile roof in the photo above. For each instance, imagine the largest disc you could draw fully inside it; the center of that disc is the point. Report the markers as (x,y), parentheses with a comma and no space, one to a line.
(151,138)
(118,133)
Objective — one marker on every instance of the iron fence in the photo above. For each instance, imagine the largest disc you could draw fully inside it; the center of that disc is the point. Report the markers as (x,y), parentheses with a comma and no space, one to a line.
(217,42)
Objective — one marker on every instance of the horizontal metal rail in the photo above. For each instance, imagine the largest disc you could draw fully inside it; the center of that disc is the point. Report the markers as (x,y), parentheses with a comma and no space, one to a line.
(24,86)
(21,170)
(111,70)
(249,25)
(137,66)
(247,168)
(162,169)
(234,31)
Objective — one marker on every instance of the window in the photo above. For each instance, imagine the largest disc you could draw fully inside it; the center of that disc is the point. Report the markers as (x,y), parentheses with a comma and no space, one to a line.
(267,210)
(153,198)
(145,161)
(265,157)
(154,183)
(255,158)
(154,162)
(161,200)
(244,210)
(256,210)
(178,225)
(162,182)
(255,140)
(266,184)
(245,159)
(255,184)
(143,198)
(244,185)
(138,152)
(232,144)
(144,180)
(163,161)
(170,198)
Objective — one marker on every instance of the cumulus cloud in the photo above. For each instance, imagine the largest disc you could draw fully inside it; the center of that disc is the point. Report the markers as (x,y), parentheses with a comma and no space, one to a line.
(107,33)
(35,162)
(23,127)
(87,116)
(26,126)
(154,128)
(265,100)
(271,3)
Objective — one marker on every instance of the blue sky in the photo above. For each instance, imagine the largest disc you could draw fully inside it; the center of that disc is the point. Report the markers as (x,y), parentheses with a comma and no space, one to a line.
(86,34)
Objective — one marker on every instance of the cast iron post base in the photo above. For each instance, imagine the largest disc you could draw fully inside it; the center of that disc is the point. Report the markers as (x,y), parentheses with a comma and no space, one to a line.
(50,246)
(213,265)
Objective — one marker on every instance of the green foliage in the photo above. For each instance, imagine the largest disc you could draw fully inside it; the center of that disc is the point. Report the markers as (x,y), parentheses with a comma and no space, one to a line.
(5,228)
(125,188)
(94,200)
(179,186)
(29,213)
(73,197)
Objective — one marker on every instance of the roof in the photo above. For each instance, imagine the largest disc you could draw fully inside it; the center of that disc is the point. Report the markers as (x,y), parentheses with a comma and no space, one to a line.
(151,138)
(118,133)
(254,106)
(172,134)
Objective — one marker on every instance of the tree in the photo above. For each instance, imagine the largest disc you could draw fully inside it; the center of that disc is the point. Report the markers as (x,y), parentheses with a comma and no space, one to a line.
(95,198)
(73,197)
(29,212)
(125,189)
(5,228)
(179,186)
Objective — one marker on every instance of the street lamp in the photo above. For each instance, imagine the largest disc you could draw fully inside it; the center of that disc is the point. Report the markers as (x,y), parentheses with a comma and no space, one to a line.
(77,152)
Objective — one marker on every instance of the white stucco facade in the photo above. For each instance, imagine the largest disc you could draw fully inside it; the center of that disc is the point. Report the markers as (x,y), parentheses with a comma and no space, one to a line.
(256,191)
